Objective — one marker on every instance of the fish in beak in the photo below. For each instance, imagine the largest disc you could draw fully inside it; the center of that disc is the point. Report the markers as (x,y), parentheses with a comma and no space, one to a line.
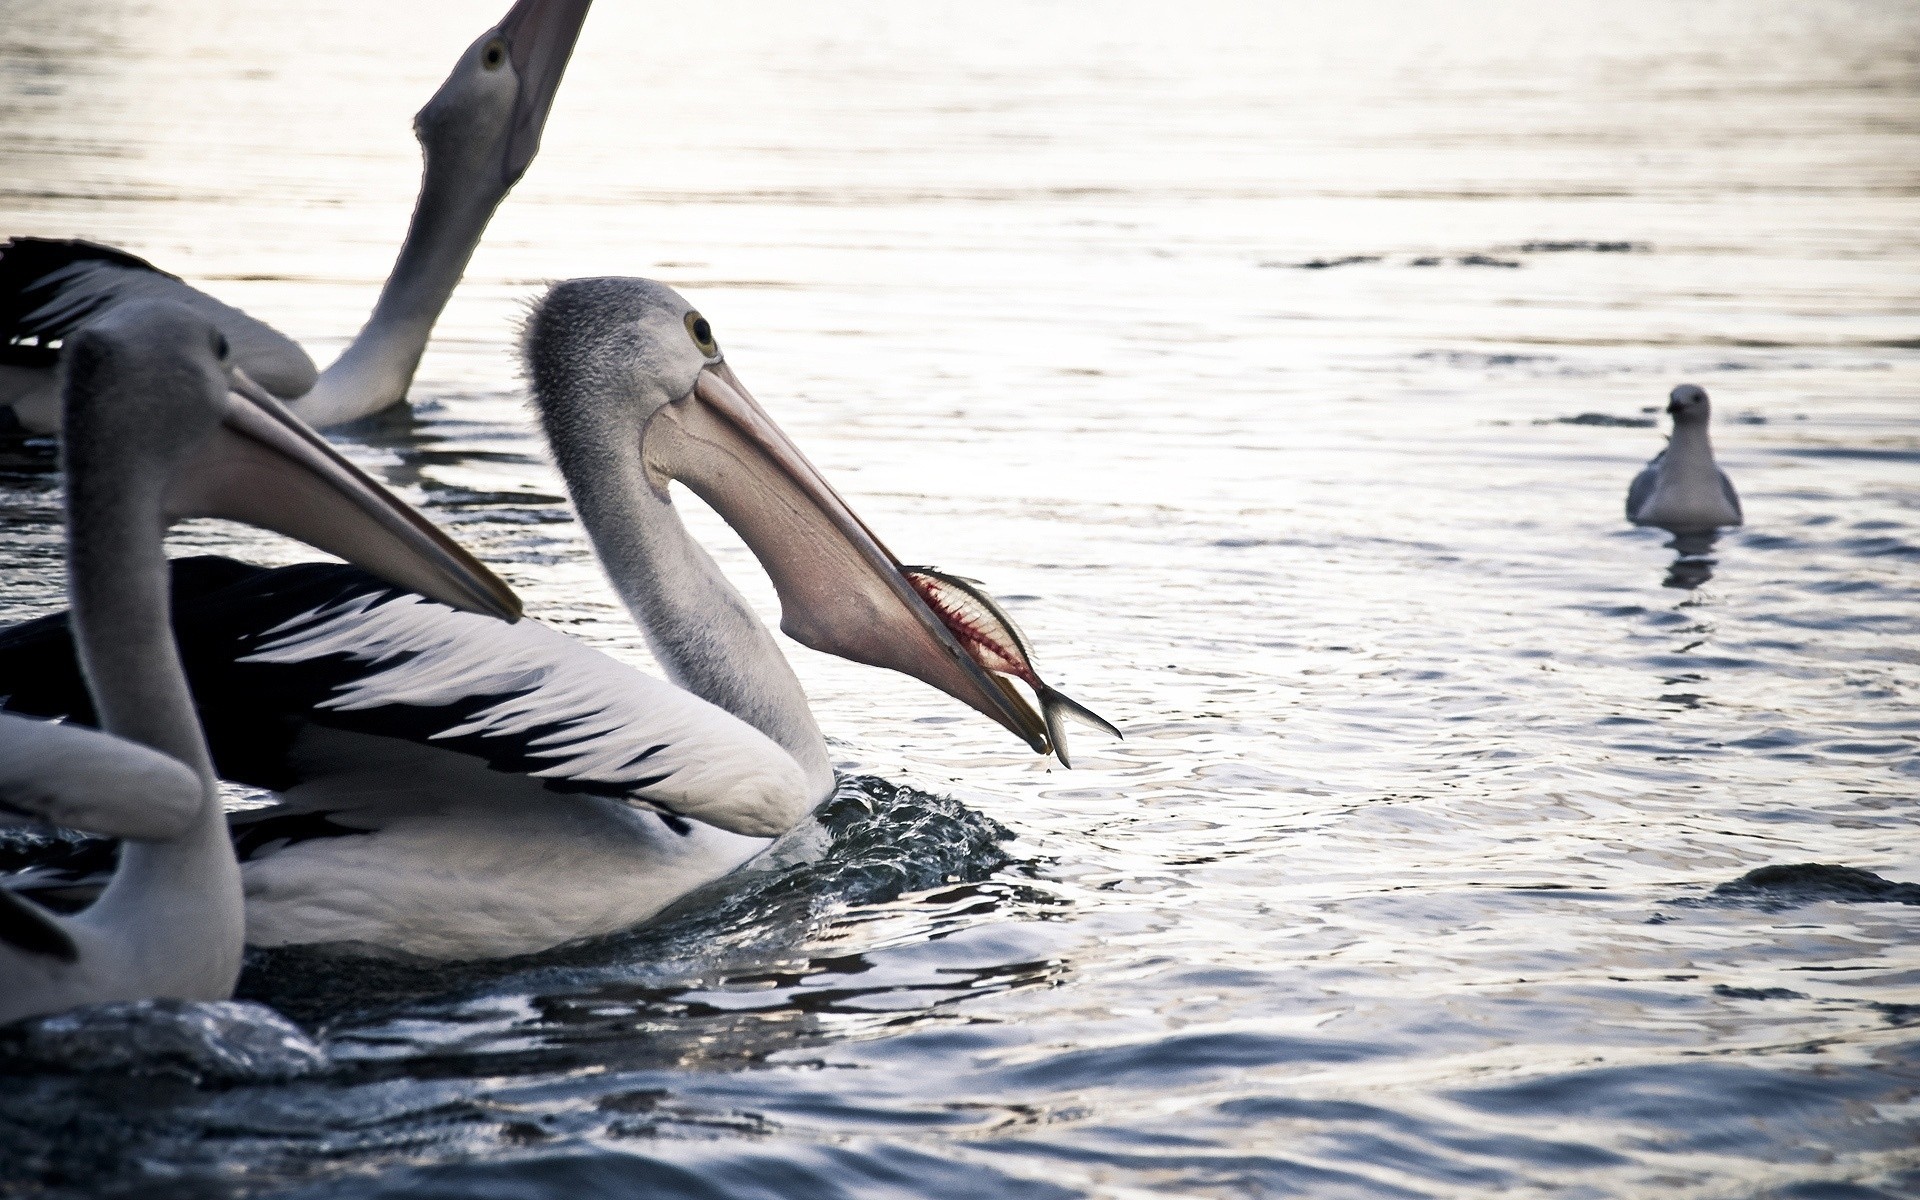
(265,467)
(539,37)
(996,643)
(841,591)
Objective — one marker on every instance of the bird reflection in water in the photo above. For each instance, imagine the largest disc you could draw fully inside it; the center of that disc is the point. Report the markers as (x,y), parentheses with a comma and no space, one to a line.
(1693,560)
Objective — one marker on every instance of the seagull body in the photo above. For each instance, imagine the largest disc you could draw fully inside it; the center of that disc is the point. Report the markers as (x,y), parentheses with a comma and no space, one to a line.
(454,789)
(160,426)
(478,133)
(1682,489)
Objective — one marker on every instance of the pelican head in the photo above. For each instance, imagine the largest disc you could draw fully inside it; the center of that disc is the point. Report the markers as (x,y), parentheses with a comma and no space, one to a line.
(627,373)
(165,422)
(489,113)
(1688,404)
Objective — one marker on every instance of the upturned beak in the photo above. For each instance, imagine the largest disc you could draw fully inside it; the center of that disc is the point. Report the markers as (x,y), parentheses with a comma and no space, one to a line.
(265,467)
(841,591)
(540,35)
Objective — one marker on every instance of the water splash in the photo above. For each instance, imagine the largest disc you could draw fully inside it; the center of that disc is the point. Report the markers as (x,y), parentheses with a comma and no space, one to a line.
(203,1041)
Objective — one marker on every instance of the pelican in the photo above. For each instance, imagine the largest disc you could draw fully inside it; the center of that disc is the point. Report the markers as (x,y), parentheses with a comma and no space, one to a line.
(203,440)
(1682,490)
(477,133)
(452,788)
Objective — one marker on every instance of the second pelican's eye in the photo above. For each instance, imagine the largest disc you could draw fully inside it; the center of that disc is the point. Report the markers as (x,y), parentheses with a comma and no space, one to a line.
(494,54)
(702,333)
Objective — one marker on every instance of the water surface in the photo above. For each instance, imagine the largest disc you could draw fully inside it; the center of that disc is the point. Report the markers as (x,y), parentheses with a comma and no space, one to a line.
(1284,371)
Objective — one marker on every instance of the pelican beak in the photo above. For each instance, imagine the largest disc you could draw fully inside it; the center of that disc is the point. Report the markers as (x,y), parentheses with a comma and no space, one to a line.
(841,590)
(264,466)
(540,35)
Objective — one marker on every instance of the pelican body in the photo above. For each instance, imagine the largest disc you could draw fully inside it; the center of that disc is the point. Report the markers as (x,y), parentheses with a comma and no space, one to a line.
(159,425)
(477,133)
(1682,489)
(454,789)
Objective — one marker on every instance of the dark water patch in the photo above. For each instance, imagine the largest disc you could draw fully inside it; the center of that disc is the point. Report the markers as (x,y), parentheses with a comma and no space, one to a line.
(1897,1014)
(1465,1139)
(1843,587)
(1881,547)
(1212,1173)
(28,847)
(1782,886)
(1726,1107)
(1851,452)
(1874,749)
(455,499)
(1603,419)
(1740,993)
(1169,1058)
(1612,610)
(1254,543)
(1834,1190)
(1472,358)
(1321,264)
(204,1041)
(59,868)
(1590,247)
(699,1171)
(28,462)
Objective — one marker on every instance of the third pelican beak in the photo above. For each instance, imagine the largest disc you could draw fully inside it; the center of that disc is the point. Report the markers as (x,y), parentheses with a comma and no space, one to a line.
(267,468)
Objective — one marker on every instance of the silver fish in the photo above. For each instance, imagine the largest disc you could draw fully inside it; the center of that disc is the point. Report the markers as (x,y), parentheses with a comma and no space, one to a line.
(989,635)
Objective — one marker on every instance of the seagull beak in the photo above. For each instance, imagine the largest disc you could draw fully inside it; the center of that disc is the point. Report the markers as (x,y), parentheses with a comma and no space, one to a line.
(267,468)
(840,590)
(540,35)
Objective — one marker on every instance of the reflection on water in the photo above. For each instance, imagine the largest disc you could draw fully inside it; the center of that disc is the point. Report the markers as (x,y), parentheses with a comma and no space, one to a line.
(1281,367)
(1692,560)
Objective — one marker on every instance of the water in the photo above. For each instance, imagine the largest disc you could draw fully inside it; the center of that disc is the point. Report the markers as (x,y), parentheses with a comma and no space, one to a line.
(1403,882)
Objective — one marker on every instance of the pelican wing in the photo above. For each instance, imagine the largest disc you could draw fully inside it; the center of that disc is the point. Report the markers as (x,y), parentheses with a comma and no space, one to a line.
(50,288)
(1733,497)
(277,657)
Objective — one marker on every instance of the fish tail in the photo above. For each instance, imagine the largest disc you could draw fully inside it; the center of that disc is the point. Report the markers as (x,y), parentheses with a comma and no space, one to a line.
(1056,707)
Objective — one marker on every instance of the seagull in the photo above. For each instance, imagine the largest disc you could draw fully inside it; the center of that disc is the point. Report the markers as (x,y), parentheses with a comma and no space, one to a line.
(1681,490)
(477,133)
(452,788)
(202,441)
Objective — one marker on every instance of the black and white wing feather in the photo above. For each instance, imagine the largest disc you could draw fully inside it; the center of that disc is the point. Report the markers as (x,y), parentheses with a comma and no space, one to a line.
(51,288)
(271,654)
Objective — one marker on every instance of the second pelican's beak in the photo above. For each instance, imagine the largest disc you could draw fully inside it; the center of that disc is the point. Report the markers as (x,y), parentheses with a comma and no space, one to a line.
(265,467)
(540,35)
(840,590)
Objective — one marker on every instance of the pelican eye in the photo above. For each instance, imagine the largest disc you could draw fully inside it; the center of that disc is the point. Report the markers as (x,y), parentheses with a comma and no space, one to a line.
(494,54)
(220,347)
(701,333)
